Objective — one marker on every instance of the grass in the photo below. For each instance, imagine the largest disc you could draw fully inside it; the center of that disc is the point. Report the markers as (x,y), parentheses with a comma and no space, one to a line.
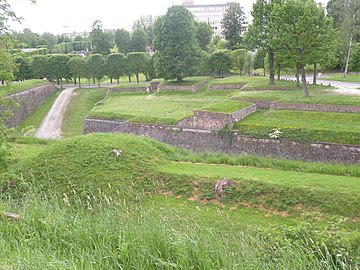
(186,81)
(226,106)
(304,125)
(81,103)
(162,108)
(130,85)
(39,114)
(20,86)
(340,78)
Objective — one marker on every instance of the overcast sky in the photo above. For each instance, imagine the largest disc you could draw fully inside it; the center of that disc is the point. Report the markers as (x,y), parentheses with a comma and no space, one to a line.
(64,16)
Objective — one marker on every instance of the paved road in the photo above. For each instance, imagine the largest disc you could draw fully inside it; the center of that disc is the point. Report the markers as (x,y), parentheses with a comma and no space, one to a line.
(50,127)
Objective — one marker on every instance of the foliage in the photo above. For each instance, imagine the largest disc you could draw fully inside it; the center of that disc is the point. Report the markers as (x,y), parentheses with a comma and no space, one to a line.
(139,40)
(28,131)
(220,62)
(355,58)
(58,65)
(238,58)
(101,42)
(77,68)
(96,66)
(115,65)
(123,41)
(233,24)
(39,65)
(24,70)
(20,86)
(275,134)
(203,34)
(145,23)
(175,43)
(137,63)
(7,66)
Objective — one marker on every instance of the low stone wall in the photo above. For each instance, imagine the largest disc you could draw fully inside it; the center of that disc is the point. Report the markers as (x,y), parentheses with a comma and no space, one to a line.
(214,120)
(232,143)
(154,85)
(28,100)
(269,104)
(128,89)
(192,88)
(225,87)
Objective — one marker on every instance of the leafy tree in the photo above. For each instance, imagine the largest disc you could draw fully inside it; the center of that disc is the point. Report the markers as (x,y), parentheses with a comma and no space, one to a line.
(301,31)
(115,66)
(138,63)
(97,67)
(123,40)
(177,49)
(233,24)
(355,58)
(259,59)
(100,41)
(50,40)
(24,70)
(7,67)
(145,23)
(216,44)
(59,67)
(238,58)
(138,40)
(77,66)
(203,34)
(40,66)
(220,62)
(151,72)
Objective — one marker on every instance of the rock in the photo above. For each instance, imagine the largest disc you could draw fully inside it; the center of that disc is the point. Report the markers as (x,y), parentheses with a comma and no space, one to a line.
(220,186)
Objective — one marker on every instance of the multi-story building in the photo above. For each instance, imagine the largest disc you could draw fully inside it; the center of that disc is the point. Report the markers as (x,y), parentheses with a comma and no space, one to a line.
(212,14)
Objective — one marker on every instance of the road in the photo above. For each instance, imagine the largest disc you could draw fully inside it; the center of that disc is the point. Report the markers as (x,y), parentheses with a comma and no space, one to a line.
(50,127)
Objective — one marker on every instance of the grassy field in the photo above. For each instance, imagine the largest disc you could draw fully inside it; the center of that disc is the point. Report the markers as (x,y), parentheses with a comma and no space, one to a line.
(83,208)
(83,101)
(340,78)
(163,108)
(304,125)
(186,81)
(20,86)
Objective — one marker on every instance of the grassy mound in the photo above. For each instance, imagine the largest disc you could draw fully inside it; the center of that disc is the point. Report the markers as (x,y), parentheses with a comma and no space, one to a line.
(88,163)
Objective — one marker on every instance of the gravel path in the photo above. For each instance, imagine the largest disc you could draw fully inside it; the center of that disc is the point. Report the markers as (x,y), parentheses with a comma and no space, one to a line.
(50,127)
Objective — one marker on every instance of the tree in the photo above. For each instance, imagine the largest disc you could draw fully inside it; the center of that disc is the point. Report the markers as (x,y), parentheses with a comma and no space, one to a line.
(40,66)
(355,58)
(7,67)
(220,62)
(123,40)
(177,49)
(115,66)
(233,24)
(50,40)
(138,40)
(259,35)
(137,63)
(302,31)
(24,70)
(238,58)
(96,66)
(101,42)
(59,67)
(77,66)
(145,23)
(203,34)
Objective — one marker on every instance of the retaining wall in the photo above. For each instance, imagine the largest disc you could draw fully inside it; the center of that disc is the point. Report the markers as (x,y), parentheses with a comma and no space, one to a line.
(213,120)
(28,101)
(225,87)
(228,142)
(128,89)
(192,88)
(269,104)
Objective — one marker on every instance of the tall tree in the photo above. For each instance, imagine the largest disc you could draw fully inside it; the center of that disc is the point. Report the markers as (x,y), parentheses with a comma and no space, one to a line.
(59,67)
(234,24)
(220,62)
(259,35)
(7,67)
(115,66)
(77,66)
(302,31)
(24,70)
(96,66)
(40,66)
(123,40)
(145,23)
(138,63)
(177,49)
(203,34)
(238,58)
(139,40)
(100,41)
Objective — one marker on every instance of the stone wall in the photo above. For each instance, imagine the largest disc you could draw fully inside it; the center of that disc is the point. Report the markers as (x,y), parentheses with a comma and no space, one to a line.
(225,87)
(128,89)
(269,104)
(192,88)
(214,120)
(228,142)
(29,100)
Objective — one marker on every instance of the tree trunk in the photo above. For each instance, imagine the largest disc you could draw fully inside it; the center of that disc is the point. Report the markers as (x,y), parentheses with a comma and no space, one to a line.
(75,80)
(348,57)
(110,80)
(279,71)
(297,77)
(137,78)
(98,83)
(129,78)
(93,80)
(315,73)
(61,84)
(58,81)
(303,77)
(146,77)
(79,82)
(118,81)
(272,70)
(220,74)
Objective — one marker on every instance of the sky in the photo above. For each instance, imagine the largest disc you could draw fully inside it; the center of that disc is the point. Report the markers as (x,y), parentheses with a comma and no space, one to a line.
(66,16)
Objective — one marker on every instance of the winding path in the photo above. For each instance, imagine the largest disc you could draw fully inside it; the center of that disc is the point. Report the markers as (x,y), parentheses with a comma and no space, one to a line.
(50,127)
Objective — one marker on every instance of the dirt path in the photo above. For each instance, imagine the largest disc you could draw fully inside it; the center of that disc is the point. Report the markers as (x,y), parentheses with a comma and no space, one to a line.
(343,88)
(50,127)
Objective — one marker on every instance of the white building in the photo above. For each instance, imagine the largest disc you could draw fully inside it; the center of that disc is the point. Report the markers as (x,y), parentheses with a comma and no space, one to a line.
(212,14)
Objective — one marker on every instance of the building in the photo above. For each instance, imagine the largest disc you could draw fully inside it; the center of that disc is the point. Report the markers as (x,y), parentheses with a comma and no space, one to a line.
(212,14)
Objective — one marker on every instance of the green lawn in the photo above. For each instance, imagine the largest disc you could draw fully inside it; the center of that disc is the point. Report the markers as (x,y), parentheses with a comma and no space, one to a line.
(189,81)
(81,103)
(304,125)
(20,86)
(164,108)
(340,78)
